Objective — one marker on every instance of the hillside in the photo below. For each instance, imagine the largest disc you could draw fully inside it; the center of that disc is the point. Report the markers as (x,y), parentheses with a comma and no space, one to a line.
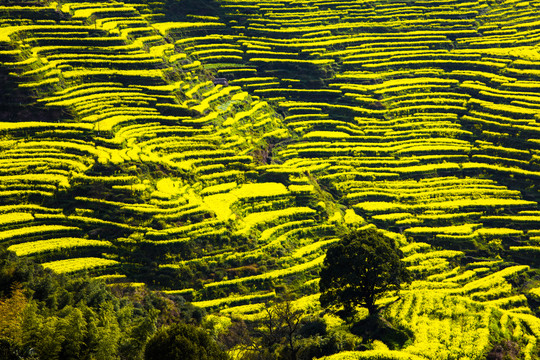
(215,149)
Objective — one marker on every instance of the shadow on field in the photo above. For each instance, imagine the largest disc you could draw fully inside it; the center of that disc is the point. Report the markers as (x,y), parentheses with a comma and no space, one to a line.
(377,328)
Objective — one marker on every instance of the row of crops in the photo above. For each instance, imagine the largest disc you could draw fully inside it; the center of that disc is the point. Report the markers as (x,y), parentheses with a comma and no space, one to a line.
(412,103)
(420,117)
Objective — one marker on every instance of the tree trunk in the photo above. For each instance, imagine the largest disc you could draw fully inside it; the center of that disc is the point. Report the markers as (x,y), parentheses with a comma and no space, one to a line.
(372,308)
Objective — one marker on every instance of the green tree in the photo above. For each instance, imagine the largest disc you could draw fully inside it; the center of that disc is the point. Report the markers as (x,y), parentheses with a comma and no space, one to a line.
(140,332)
(275,336)
(280,325)
(11,315)
(183,342)
(49,339)
(74,331)
(108,334)
(358,270)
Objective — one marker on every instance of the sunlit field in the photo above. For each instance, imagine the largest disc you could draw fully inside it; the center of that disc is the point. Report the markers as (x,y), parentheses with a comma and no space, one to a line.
(212,154)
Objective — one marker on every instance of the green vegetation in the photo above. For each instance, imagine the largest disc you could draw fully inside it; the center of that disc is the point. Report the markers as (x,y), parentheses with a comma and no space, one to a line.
(44,315)
(182,341)
(156,154)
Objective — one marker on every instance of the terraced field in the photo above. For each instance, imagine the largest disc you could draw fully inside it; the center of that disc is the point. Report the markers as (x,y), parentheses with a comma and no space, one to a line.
(217,157)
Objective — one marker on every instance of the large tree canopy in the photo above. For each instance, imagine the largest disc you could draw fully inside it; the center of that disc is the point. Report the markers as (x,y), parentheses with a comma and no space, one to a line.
(359,269)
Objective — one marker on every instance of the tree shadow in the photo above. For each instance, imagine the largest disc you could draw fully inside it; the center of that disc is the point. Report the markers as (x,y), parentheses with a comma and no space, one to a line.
(178,10)
(375,327)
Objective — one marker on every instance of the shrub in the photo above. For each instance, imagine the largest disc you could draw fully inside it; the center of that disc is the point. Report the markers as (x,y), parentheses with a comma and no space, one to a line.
(183,342)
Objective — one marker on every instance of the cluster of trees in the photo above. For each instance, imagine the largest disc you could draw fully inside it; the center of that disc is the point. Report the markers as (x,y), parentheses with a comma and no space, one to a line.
(357,271)
(285,332)
(49,316)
